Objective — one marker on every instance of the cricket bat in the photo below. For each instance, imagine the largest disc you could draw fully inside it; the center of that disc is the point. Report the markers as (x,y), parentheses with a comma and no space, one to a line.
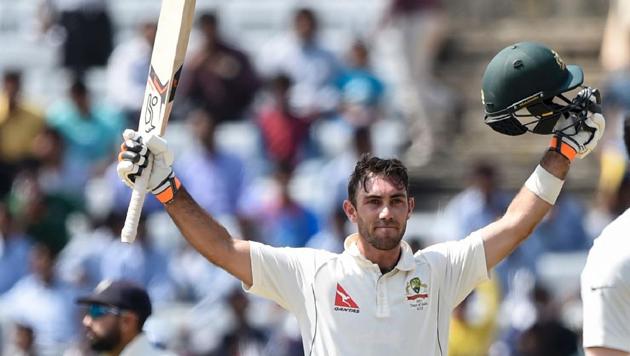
(167,58)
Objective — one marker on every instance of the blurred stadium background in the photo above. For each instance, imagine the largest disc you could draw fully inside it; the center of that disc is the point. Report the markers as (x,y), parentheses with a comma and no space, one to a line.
(265,135)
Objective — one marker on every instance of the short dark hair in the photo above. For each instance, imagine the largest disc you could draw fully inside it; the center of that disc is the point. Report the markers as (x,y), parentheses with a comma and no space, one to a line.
(369,165)
(306,13)
(281,81)
(12,75)
(208,18)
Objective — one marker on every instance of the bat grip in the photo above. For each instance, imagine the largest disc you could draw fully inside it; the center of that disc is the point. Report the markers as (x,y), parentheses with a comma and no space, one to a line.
(129,231)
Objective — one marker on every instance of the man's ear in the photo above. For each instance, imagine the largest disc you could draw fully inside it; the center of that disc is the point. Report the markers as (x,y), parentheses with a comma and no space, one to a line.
(129,322)
(412,204)
(350,211)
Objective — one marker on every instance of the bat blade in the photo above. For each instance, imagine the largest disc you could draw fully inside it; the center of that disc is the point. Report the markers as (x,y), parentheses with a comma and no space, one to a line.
(167,59)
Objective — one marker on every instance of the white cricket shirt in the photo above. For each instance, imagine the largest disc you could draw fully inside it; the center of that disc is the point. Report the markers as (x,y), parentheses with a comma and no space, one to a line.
(140,346)
(345,306)
(606,288)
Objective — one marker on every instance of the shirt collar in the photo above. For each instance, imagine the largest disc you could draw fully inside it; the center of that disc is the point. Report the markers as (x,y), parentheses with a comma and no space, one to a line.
(138,346)
(406,262)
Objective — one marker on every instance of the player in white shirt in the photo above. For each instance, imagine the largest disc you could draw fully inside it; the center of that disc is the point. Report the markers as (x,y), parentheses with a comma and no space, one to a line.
(377,298)
(606,287)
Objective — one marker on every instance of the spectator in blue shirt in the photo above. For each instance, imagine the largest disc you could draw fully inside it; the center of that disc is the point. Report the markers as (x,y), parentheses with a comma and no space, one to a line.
(14,250)
(45,303)
(90,131)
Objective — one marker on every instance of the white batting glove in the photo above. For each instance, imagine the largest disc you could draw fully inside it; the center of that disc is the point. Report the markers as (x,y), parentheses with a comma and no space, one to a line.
(133,158)
(577,137)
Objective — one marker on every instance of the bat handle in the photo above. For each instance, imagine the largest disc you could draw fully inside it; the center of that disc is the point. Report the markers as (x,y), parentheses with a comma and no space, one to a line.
(129,231)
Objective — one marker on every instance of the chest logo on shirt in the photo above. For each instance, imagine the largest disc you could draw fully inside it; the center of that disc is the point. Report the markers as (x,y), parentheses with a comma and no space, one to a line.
(417,293)
(344,302)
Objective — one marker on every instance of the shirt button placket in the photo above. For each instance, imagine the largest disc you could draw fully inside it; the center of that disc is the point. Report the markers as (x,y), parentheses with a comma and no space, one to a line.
(382,304)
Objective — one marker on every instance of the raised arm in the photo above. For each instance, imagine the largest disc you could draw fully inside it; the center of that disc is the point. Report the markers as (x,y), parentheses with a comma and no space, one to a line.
(524,213)
(204,233)
(574,138)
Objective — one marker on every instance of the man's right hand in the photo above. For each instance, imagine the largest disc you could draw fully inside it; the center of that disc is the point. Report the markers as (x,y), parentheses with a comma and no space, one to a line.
(133,158)
(577,136)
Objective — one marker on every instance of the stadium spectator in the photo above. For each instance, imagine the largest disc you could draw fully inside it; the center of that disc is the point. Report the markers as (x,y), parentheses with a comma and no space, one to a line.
(243,338)
(562,230)
(42,215)
(360,88)
(311,67)
(115,316)
(140,262)
(217,176)
(548,336)
(89,129)
(127,71)
(421,26)
(335,172)
(331,237)
(14,251)
(285,134)
(56,174)
(79,263)
(22,342)
(417,29)
(19,124)
(474,321)
(281,220)
(196,279)
(480,203)
(44,303)
(86,30)
(218,76)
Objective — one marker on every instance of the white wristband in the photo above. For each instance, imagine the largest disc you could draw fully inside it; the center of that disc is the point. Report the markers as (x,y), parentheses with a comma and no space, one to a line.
(544,184)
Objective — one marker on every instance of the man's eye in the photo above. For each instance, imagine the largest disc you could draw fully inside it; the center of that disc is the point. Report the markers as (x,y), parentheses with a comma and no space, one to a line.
(374,201)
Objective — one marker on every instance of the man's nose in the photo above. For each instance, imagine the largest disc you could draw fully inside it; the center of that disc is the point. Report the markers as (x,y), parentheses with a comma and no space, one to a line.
(385,212)
(87,320)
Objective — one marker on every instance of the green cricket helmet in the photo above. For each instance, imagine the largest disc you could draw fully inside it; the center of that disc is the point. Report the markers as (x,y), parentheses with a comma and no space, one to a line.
(522,89)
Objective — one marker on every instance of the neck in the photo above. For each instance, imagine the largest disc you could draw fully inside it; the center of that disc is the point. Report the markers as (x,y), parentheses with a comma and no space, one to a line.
(46,279)
(84,110)
(385,259)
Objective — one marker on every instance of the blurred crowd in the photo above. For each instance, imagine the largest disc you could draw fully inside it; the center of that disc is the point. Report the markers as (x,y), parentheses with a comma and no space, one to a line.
(264,140)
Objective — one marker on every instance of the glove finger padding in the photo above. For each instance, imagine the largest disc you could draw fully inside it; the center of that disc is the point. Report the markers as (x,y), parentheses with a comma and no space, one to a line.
(128,171)
(577,134)
(597,124)
(134,157)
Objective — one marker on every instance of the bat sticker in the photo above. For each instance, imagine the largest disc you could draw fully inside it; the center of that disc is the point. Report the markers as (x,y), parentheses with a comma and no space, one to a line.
(175,83)
(155,103)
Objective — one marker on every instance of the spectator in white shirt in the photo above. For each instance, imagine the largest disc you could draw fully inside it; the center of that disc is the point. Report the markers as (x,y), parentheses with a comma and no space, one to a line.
(311,67)
(44,303)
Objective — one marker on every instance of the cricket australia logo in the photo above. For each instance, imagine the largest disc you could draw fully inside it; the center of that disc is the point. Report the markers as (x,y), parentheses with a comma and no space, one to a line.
(417,293)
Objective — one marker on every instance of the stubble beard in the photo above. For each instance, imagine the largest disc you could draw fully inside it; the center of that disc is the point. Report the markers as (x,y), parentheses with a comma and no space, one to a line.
(383,243)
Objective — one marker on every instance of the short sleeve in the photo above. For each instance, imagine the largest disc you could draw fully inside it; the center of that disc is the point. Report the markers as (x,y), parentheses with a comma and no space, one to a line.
(282,274)
(462,264)
(606,304)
